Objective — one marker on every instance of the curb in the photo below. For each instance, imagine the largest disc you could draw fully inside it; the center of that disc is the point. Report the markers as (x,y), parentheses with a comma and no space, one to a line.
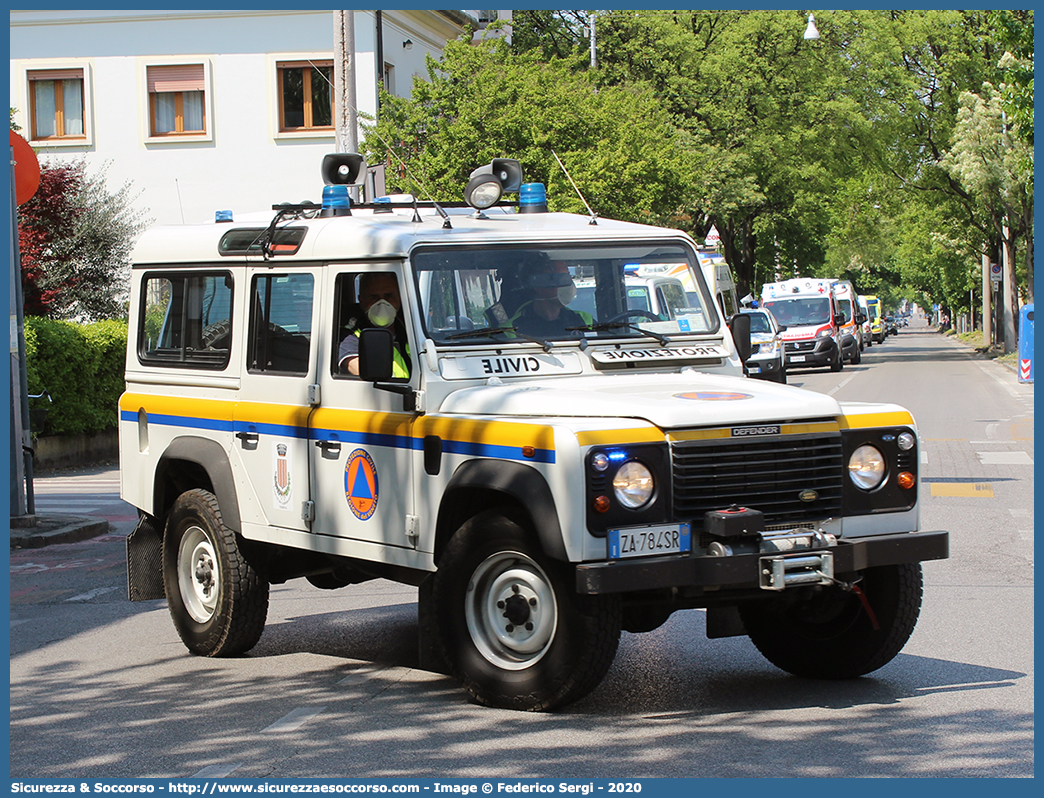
(51,529)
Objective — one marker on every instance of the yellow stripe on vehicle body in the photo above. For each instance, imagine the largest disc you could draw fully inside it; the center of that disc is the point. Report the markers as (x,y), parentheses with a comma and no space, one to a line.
(894,418)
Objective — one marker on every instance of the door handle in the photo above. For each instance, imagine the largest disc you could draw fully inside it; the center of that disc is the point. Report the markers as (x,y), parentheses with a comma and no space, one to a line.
(329,447)
(247,437)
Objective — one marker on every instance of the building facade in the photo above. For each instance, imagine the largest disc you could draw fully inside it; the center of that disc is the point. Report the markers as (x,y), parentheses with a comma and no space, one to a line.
(206,110)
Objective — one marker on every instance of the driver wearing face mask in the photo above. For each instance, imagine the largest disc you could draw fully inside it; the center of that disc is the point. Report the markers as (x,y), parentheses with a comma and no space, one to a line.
(546,314)
(381,305)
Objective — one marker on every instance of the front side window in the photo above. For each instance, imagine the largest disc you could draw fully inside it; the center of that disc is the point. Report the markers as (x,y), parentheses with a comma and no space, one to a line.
(567,292)
(56,104)
(280,323)
(186,320)
(177,99)
(305,95)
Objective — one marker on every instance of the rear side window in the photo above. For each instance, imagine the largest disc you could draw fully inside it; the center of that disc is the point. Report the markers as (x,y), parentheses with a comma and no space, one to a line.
(186,320)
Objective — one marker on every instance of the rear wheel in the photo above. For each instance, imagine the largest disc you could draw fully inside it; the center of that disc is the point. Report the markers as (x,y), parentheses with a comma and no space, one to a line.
(218,602)
(510,623)
(829,633)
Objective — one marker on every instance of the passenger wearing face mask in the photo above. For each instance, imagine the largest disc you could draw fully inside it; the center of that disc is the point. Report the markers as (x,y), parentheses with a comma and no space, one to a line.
(381,306)
(546,314)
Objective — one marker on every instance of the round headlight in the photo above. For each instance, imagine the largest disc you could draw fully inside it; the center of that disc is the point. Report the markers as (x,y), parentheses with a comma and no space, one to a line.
(866,467)
(906,441)
(633,484)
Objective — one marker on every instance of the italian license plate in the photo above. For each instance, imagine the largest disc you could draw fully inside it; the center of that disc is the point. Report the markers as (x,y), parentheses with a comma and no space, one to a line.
(753,369)
(797,358)
(649,540)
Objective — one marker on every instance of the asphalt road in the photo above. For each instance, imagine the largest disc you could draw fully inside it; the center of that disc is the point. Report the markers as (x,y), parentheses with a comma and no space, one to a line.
(102,688)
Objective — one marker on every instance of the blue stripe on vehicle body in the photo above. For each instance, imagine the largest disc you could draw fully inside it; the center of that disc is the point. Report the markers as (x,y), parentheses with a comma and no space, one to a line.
(355,438)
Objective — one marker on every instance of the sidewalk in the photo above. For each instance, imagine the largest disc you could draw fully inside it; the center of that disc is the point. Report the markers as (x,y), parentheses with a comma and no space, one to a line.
(49,528)
(53,528)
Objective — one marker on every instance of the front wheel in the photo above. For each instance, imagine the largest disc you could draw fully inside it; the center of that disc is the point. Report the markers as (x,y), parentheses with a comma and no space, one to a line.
(218,602)
(510,623)
(839,361)
(831,633)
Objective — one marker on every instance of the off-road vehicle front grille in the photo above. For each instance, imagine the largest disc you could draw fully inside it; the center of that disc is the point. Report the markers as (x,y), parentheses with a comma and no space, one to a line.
(790,478)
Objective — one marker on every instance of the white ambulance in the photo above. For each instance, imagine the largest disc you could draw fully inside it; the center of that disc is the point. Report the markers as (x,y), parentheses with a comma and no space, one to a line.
(342,393)
(807,307)
(852,329)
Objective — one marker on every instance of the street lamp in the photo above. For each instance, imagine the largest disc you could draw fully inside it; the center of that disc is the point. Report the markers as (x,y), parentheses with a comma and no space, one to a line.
(811,32)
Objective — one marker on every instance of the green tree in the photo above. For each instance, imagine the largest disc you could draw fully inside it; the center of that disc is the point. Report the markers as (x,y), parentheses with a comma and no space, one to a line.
(75,237)
(483,102)
(990,163)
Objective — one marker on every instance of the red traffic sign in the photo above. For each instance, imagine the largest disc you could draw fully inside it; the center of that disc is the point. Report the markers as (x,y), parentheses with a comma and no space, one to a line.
(27,169)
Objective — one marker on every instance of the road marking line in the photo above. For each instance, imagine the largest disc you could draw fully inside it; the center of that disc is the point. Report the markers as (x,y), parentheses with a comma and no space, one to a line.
(924,457)
(1004,458)
(216,771)
(840,385)
(993,376)
(292,721)
(98,591)
(978,490)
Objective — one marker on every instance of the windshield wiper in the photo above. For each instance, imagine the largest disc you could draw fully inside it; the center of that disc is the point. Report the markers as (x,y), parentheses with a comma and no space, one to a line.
(482,332)
(662,340)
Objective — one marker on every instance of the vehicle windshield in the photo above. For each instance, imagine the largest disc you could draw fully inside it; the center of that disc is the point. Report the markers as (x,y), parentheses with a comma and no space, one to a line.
(759,323)
(592,291)
(799,312)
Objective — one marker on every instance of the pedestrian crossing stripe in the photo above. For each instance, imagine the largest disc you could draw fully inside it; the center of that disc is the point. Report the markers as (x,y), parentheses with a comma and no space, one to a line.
(979,490)
(360,484)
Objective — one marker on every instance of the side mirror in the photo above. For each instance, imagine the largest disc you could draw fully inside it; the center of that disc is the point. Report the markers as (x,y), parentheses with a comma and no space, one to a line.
(860,318)
(781,327)
(839,320)
(739,326)
(375,354)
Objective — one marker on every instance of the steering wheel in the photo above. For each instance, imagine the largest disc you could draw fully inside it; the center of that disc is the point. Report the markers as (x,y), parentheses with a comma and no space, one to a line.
(631,314)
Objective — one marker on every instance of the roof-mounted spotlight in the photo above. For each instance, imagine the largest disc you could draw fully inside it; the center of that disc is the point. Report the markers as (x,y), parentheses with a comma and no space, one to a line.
(342,168)
(488,183)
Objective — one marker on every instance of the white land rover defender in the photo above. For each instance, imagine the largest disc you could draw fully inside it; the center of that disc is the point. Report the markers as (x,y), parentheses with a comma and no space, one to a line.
(543,486)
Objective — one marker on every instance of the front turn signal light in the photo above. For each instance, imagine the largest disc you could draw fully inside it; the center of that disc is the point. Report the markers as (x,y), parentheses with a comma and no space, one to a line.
(601,504)
(906,480)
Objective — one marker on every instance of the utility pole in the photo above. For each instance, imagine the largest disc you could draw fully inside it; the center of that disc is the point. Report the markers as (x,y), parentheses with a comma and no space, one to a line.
(594,60)
(987,310)
(345,116)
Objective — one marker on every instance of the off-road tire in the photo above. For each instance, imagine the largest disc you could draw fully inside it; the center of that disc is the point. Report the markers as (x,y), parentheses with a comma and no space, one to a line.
(827,633)
(217,600)
(492,567)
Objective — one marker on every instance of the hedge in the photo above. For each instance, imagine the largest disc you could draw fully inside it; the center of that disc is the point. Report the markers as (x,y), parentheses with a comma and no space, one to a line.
(81,366)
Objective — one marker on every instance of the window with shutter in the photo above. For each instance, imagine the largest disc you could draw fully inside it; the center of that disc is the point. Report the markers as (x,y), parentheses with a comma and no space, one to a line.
(56,104)
(177,94)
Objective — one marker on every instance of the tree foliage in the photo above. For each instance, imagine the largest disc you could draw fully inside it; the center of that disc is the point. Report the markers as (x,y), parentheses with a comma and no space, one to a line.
(483,102)
(817,157)
(75,238)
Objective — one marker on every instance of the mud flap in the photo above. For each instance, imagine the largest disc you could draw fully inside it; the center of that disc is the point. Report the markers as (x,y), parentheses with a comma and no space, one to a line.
(145,560)
(429,653)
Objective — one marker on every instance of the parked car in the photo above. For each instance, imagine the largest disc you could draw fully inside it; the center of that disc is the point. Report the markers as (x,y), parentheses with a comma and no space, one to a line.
(891,326)
(767,360)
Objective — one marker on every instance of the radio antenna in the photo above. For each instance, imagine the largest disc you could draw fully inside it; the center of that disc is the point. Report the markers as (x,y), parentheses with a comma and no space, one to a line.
(594,216)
